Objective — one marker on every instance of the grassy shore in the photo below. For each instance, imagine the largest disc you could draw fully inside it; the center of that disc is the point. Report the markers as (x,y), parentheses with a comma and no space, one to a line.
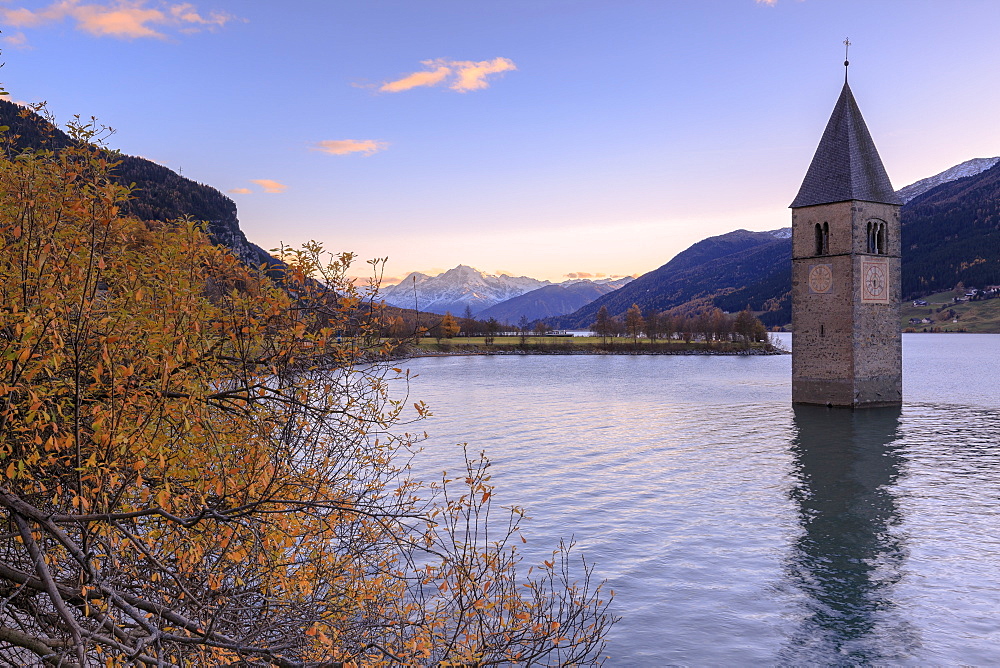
(581,345)
(978,316)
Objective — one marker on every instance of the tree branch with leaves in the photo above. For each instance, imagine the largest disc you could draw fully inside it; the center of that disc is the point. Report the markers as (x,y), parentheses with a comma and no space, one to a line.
(199,465)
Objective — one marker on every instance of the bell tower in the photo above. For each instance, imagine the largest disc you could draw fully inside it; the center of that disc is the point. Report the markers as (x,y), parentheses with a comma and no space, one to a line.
(846,341)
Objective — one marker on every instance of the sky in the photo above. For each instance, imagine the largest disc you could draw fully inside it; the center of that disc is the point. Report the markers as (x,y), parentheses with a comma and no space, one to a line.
(547,138)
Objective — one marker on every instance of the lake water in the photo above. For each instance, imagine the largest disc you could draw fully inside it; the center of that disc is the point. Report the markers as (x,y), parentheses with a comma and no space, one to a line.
(736,529)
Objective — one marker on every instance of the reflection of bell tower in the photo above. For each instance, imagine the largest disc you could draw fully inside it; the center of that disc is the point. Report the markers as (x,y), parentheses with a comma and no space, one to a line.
(850,553)
(846,345)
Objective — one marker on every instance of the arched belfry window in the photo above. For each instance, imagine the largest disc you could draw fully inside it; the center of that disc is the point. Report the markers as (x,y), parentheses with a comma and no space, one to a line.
(876,237)
(822,239)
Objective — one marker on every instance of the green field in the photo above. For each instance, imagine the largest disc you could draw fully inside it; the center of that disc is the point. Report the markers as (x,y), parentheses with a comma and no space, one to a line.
(979,316)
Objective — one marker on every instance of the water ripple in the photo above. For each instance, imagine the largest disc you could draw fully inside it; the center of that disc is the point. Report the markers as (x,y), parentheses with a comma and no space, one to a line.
(734,529)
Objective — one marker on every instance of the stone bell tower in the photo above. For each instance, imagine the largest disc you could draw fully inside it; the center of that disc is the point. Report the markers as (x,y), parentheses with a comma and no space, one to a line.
(846,341)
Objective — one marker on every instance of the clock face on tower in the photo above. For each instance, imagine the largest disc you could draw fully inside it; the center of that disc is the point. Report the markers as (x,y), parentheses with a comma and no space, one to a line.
(820,278)
(875,281)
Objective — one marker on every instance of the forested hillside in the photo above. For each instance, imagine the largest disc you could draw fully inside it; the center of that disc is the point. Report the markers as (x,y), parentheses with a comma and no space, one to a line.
(159,193)
(710,268)
(951,234)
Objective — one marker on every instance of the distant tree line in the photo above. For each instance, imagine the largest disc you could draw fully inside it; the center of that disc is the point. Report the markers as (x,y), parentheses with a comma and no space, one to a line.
(402,324)
(703,322)
(707,325)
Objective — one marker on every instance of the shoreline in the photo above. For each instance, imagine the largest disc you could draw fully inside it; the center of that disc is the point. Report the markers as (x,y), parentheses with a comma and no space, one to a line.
(752,352)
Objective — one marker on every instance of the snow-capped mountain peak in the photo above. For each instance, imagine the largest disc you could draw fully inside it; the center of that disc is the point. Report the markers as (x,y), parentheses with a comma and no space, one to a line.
(454,290)
(464,286)
(967,168)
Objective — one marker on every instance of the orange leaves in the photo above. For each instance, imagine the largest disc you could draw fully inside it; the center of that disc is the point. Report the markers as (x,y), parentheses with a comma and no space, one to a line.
(244,437)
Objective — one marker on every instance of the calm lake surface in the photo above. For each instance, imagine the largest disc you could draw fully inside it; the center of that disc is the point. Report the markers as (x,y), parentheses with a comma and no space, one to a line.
(736,529)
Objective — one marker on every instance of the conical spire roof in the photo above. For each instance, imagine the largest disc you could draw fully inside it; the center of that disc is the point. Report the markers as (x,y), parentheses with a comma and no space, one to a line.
(846,165)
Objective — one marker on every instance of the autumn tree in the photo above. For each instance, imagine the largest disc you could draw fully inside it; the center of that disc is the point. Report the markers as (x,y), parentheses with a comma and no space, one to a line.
(651,324)
(617,326)
(722,325)
(711,323)
(668,325)
(449,326)
(686,326)
(749,328)
(603,326)
(199,465)
(398,328)
(633,322)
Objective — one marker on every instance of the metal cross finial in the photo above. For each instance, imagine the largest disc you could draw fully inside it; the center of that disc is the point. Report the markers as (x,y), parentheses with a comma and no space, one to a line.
(847,47)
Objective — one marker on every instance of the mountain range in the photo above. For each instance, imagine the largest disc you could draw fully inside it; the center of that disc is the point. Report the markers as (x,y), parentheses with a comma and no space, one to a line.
(716,267)
(967,168)
(550,300)
(949,224)
(950,233)
(466,287)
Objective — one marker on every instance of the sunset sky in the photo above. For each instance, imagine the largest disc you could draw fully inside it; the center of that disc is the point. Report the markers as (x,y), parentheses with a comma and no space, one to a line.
(533,137)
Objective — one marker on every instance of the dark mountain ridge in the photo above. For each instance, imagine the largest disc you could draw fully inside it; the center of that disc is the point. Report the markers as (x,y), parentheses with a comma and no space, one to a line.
(545,302)
(159,193)
(710,268)
(950,235)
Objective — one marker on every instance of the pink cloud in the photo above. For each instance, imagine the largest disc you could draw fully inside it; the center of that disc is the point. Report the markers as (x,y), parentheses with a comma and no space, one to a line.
(472,76)
(270,186)
(17,40)
(426,78)
(460,75)
(123,19)
(240,191)
(346,146)
(186,13)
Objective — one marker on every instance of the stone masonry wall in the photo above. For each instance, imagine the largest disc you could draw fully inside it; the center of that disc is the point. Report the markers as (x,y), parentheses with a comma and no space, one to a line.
(844,352)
